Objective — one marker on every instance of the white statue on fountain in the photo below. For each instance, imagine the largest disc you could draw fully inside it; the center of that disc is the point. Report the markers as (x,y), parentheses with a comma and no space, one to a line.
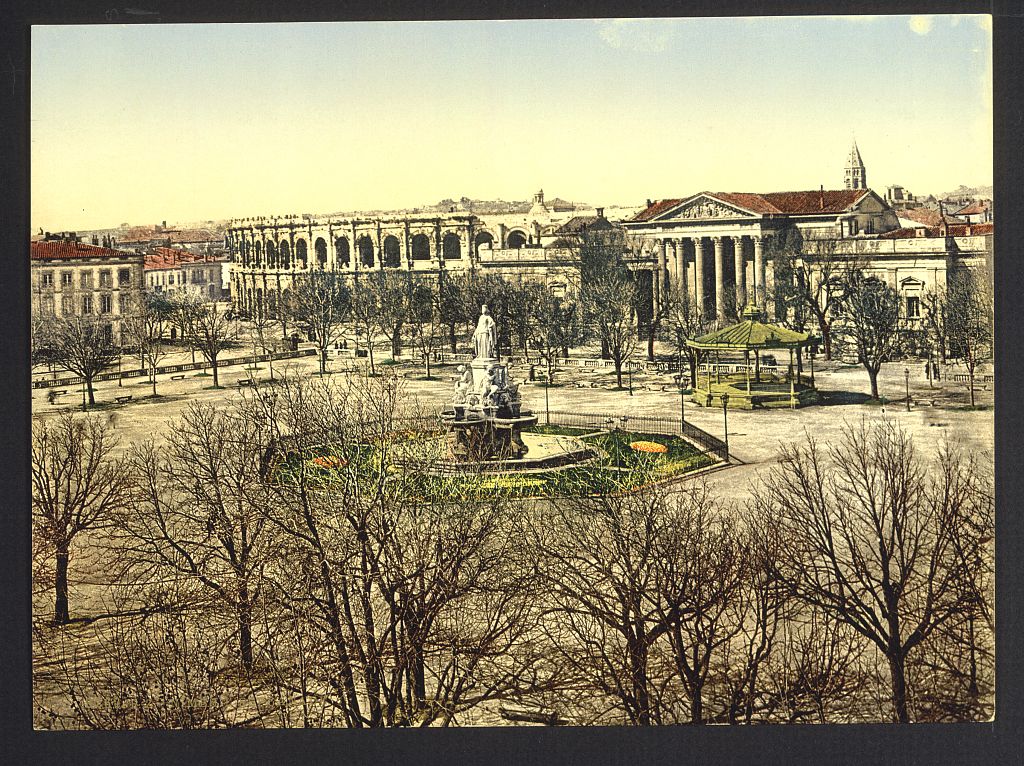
(485,337)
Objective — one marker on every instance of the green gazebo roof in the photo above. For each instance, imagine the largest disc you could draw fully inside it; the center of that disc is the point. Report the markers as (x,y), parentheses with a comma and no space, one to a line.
(750,334)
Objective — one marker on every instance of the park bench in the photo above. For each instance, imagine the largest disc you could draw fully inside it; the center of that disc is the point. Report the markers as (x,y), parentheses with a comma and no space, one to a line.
(178,377)
(123,399)
(51,396)
(246,382)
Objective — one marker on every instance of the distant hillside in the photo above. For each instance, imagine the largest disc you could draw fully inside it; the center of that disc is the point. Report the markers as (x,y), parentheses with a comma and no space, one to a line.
(976,192)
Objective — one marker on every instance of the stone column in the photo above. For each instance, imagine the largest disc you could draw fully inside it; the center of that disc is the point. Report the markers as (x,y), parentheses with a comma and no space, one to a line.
(759,281)
(663,263)
(741,272)
(698,279)
(680,253)
(719,277)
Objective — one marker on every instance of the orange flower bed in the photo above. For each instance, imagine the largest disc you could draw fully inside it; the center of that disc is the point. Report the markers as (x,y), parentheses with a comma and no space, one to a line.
(329,461)
(648,447)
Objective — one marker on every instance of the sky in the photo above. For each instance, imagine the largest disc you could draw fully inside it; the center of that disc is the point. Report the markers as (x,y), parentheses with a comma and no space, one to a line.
(145,123)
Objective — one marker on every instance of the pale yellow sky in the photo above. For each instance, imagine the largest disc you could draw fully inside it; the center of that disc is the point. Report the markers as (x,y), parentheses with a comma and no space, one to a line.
(145,123)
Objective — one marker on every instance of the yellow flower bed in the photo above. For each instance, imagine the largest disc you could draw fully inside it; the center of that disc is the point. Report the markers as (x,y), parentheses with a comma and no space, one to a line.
(652,447)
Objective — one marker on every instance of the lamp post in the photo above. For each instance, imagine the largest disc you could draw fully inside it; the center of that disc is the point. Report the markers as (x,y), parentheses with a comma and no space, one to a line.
(629,371)
(725,423)
(682,401)
(547,406)
(906,377)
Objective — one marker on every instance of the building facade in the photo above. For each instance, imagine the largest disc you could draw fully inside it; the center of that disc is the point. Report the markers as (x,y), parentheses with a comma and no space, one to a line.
(70,278)
(172,271)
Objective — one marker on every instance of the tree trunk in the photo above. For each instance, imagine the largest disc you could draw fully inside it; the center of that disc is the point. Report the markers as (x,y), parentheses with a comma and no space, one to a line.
(369,353)
(154,380)
(244,627)
(697,705)
(605,352)
(641,694)
(396,342)
(323,360)
(651,332)
(452,341)
(213,366)
(899,689)
(826,340)
(873,375)
(92,394)
(60,611)
(618,372)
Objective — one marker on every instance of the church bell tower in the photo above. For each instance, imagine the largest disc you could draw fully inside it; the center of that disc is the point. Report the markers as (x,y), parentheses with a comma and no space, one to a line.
(856,175)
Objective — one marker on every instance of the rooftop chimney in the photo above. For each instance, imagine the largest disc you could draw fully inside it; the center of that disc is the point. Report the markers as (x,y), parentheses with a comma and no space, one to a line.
(648,203)
(600,212)
(821,197)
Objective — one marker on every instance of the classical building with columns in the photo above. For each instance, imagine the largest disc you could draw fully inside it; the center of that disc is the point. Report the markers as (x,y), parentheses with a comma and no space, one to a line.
(713,243)
(270,254)
(716,245)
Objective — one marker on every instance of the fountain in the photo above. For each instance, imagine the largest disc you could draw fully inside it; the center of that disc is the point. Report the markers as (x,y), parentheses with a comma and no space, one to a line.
(486,418)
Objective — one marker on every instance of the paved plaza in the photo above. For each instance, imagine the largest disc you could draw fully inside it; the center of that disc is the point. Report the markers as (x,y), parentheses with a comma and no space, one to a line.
(937,412)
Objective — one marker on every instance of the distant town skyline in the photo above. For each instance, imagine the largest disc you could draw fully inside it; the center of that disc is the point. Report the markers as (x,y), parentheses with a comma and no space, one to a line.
(196,122)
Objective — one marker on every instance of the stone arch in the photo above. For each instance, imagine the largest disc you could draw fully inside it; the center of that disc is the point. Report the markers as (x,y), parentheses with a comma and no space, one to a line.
(301,254)
(392,252)
(420,247)
(284,254)
(271,255)
(516,239)
(451,247)
(342,252)
(320,251)
(364,246)
(481,240)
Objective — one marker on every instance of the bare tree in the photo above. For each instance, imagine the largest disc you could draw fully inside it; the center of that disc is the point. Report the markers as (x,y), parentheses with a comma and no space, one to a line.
(84,346)
(321,303)
(77,486)
(868,536)
(969,320)
(612,298)
(198,512)
(393,292)
(426,320)
(188,306)
(556,325)
(145,327)
(366,314)
(684,320)
(873,322)
(210,331)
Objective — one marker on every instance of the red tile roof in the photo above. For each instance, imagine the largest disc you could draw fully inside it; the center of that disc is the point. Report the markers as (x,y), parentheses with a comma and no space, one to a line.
(172,257)
(60,249)
(771,203)
(953,230)
(927,216)
(975,208)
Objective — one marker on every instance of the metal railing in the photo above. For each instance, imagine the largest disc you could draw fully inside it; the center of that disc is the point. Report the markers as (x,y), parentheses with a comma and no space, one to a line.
(653,424)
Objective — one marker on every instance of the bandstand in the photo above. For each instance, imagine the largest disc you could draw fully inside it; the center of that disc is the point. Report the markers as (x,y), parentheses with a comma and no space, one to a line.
(758,385)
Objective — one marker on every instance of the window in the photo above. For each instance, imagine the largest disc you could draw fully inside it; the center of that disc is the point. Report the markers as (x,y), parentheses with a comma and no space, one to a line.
(46,279)
(170,279)
(108,333)
(67,306)
(65,278)
(106,278)
(85,279)
(46,305)
(106,303)
(124,277)
(913,307)
(86,304)
(122,303)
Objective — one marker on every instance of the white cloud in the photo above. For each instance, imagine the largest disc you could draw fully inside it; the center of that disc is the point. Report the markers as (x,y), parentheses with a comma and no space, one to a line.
(643,35)
(922,25)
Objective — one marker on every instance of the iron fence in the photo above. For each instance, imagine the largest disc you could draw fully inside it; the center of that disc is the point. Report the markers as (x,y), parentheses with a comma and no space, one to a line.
(711,445)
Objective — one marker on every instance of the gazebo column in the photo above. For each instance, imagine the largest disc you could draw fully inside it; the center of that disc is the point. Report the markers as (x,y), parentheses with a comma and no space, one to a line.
(741,272)
(719,277)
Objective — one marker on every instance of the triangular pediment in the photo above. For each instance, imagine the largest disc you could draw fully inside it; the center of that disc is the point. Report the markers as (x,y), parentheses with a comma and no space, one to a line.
(704,207)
